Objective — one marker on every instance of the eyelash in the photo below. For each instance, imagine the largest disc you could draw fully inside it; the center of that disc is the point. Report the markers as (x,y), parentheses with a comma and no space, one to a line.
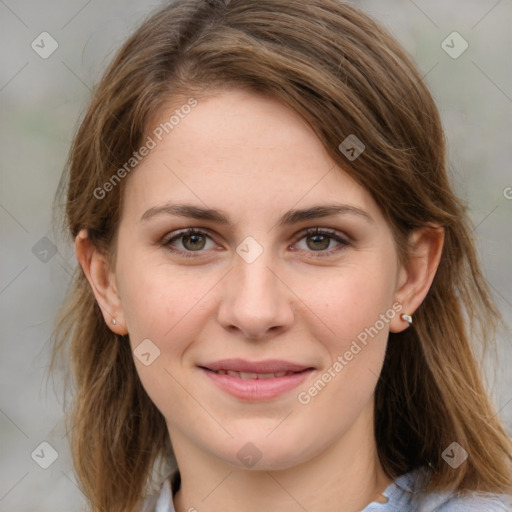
(332,234)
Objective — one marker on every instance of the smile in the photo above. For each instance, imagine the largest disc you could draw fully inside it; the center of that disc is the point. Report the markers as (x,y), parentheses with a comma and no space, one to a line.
(252,375)
(255,381)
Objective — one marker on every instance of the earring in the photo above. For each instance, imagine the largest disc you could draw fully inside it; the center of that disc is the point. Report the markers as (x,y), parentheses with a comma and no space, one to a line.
(114,321)
(406,318)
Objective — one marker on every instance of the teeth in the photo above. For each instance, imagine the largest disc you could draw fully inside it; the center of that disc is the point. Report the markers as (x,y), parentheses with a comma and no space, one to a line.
(266,375)
(248,375)
(252,375)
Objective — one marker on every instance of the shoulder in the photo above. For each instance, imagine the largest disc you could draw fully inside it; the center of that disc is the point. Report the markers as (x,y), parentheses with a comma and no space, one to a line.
(476,503)
(162,500)
(407,491)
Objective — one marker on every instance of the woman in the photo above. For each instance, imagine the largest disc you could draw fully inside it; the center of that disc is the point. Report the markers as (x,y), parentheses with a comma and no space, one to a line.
(278,289)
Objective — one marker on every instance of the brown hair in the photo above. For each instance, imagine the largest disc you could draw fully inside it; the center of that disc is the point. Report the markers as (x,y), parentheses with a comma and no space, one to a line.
(344,74)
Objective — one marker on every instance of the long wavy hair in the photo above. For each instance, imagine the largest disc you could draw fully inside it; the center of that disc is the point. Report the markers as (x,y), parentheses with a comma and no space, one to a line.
(344,74)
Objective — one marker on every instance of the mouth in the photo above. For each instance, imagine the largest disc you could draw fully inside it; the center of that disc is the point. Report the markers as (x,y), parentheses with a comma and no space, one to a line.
(253,381)
(252,375)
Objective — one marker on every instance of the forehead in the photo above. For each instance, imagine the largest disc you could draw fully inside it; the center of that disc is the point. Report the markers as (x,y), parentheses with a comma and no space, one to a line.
(237,148)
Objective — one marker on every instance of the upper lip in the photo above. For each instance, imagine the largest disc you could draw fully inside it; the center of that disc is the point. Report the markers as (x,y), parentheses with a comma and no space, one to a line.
(268,366)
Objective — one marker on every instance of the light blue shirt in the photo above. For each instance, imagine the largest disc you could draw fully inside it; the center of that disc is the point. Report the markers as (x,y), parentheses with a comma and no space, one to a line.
(400,498)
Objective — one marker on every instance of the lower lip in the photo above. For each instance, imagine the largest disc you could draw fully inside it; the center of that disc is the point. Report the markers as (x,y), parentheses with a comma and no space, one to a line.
(257,389)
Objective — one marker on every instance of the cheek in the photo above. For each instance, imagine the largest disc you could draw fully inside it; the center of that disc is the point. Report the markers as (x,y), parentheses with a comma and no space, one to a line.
(159,301)
(163,305)
(351,301)
(355,308)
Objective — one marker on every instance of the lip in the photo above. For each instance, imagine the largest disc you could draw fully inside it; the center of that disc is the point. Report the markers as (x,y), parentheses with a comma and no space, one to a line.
(267,366)
(256,389)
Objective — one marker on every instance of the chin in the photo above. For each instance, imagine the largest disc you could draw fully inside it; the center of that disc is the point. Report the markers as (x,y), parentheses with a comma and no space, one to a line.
(261,453)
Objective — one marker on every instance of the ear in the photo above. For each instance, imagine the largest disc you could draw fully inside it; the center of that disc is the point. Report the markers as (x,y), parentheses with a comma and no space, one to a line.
(102,280)
(416,276)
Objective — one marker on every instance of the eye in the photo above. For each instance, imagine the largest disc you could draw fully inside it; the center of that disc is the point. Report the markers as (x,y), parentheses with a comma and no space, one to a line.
(190,239)
(320,239)
(193,240)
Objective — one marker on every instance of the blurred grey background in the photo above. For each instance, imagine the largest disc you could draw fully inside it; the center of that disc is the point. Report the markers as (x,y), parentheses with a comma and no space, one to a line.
(44,89)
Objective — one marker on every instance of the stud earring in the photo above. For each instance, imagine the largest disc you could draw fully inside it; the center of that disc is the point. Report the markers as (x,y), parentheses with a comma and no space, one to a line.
(114,321)
(406,318)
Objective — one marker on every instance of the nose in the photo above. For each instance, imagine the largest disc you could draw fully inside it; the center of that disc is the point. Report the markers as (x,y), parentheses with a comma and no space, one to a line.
(256,302)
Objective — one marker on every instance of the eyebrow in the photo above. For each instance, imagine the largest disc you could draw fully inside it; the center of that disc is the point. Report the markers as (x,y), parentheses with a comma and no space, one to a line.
(289,218)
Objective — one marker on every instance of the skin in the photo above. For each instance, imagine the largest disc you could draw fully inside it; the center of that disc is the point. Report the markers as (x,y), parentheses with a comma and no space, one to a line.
(255,159)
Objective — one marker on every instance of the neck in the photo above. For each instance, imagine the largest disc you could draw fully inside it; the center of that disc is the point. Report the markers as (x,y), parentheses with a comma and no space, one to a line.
(344,476)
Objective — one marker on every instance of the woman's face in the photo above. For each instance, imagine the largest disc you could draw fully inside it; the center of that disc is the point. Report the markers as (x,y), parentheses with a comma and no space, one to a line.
(299,319)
